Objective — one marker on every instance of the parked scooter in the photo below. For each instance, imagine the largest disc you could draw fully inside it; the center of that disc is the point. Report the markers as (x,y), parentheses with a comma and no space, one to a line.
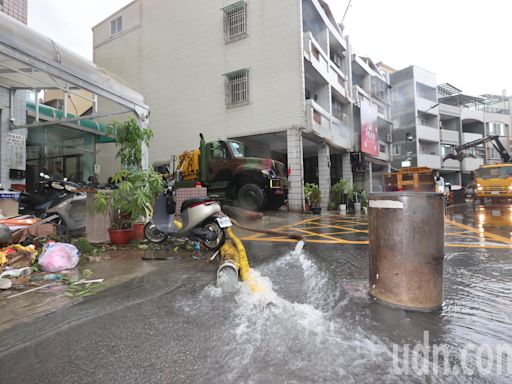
(202,220)
(57,198)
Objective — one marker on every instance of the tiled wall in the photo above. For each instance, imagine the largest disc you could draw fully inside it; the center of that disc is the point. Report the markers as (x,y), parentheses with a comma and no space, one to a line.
(16,9)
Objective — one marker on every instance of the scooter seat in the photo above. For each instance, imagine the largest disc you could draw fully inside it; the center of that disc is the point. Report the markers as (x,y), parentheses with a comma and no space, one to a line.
(187,203)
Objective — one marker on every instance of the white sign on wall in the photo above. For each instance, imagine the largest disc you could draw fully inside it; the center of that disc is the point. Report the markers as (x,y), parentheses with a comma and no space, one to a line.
(16,150)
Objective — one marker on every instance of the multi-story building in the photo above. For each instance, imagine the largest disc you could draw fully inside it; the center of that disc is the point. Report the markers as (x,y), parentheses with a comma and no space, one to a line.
(276,75)
(464,118)
(15,8)
(415,113)
(372,106)
(429,121)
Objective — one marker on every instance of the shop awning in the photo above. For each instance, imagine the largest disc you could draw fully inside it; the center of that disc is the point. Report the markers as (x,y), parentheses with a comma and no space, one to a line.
(51,114)
(32,61)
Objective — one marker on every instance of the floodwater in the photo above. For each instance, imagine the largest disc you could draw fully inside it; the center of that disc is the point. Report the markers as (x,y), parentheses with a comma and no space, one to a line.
(311,322)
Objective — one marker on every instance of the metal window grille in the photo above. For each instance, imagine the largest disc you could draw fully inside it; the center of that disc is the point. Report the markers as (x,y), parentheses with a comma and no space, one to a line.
(116,25)
(235,21)
(237,87)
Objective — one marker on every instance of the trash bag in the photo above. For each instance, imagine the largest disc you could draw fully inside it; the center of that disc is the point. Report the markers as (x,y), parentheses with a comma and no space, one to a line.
(57,257)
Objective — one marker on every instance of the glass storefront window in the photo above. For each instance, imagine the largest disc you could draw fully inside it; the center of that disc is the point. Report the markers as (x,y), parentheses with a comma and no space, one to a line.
(61,151)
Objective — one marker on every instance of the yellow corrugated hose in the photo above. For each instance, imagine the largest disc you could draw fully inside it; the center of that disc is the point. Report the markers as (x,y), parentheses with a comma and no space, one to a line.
(243,264)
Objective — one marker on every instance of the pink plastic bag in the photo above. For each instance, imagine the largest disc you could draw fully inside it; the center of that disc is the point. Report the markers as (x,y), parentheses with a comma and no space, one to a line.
(57,257)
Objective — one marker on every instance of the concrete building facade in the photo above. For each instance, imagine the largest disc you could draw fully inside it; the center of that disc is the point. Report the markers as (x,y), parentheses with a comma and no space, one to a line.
(17,9)
(430,120)
(465,118)
(415,113)
(276,75)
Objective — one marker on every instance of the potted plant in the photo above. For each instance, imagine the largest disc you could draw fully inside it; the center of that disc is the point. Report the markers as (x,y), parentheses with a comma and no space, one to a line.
(313,196)
(363,198)
(137,188)
(338,195)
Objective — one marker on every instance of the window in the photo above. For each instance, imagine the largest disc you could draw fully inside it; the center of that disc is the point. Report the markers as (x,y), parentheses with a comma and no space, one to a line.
(237,148)
(494,154)
(217,150)
(116,26)
(237,87)
(235,21)
(396,149)
(446,149)
(497,129)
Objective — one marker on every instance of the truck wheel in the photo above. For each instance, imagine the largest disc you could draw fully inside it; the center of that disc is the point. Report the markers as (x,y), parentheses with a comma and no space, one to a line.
(252,197)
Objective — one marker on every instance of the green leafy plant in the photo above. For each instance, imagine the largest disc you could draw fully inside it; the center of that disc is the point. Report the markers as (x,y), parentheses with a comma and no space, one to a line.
(338,192)
(129,141)
(312,194)
(134,195)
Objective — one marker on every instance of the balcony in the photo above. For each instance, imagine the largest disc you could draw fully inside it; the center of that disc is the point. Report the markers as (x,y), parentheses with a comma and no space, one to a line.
(318,119)
(468,136)
(315,55)
(427,133)
(450,137)
(431,161)
(449,110)
(341,132)
(470,164)
(452,165)
(424,105)
(326,126)
(471,114)
(338,79)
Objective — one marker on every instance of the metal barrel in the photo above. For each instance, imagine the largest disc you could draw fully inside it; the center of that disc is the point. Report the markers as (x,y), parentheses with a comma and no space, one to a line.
(406,232)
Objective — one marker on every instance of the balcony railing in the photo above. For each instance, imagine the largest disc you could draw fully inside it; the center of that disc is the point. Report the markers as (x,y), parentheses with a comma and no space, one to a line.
(470,164)
(449,137)
(427,133)
(326,126)
(451,164)
(314,53)
(431,161)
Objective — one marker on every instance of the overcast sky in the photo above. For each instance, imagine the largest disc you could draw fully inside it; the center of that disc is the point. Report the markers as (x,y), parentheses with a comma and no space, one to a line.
(465,42)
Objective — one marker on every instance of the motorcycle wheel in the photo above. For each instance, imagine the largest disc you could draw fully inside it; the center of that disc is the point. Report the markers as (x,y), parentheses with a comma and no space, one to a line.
(221,236)
(152,234)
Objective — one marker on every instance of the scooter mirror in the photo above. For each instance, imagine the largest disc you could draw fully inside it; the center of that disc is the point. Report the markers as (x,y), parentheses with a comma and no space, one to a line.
(65,179)
(41,174)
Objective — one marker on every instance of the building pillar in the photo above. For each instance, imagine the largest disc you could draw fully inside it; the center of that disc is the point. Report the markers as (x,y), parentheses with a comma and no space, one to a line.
(347,168)
(295,170)
(324,174)
(370,173)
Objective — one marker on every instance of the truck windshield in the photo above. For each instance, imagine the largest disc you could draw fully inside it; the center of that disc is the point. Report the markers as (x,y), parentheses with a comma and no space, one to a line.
(237,148)
(494,172)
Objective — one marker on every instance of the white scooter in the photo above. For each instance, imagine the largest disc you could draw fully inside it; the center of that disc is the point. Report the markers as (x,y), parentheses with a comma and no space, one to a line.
(201,220)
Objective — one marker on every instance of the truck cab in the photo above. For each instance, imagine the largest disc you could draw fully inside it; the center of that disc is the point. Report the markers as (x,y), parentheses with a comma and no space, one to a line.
(229,174)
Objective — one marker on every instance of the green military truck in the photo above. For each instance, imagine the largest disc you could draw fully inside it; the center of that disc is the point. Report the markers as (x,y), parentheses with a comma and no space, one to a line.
(223,167)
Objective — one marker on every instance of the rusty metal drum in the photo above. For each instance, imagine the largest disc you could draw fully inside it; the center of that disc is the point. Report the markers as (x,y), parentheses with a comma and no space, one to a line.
(406,231)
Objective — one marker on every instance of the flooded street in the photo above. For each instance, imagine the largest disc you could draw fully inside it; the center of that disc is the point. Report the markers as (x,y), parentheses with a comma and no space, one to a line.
(312,321)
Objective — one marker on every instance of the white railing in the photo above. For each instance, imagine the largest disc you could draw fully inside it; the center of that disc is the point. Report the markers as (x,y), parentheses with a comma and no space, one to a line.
(314,53)
(425,132)
(468,136)
(431,161)
(318,119)
(469,164)
(450,137)
(451,164)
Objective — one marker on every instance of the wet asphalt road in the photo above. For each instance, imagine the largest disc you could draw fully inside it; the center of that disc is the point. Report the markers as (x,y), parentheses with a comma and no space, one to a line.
(172,325)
